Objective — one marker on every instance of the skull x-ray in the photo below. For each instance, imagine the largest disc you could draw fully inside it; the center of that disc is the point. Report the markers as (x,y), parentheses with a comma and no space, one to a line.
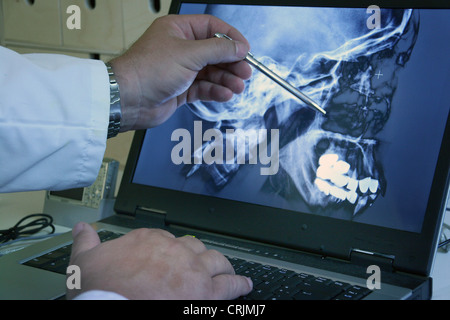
(329,160)
(331,164)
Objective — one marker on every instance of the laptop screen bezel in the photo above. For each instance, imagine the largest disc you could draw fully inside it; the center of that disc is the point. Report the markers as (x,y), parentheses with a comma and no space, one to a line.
(322,235)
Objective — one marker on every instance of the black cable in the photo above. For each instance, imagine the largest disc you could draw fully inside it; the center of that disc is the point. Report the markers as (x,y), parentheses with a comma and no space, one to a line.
(444,243)
(22,230)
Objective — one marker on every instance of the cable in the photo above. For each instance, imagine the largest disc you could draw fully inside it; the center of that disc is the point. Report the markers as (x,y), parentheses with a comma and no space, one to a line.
(21,230)
(446,241)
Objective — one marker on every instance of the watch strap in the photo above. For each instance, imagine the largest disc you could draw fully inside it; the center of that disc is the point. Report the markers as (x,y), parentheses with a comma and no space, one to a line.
(115,113)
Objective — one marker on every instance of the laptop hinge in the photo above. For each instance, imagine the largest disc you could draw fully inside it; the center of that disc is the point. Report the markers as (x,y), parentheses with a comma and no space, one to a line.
(366,258)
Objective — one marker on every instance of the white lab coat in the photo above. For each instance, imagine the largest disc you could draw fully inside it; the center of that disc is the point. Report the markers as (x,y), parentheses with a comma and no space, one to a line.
(54,113)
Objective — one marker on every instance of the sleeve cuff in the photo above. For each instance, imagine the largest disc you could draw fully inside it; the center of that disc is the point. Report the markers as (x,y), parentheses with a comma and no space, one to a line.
(99,295)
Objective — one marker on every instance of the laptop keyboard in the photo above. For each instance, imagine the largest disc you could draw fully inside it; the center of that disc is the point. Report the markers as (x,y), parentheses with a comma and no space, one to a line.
(273,283)
(269,282)
(58,259)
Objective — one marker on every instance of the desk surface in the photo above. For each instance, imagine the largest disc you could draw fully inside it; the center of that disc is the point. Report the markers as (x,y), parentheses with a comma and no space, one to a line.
(17,205)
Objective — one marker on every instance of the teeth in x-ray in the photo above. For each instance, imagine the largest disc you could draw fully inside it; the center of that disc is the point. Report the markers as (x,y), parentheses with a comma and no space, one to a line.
(373,186)
(335,191)
(334,170)
(368,183)
(352,196)
(352,184)
(339,180)
(328,159)
(364,184)
(335,173)
(323,186)
(341,166)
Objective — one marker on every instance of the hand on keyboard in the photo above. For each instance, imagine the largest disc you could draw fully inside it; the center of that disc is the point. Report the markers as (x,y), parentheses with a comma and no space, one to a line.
(153,264)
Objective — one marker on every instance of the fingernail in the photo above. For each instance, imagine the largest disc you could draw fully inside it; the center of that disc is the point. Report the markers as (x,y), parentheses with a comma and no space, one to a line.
(250,282)
(241,49)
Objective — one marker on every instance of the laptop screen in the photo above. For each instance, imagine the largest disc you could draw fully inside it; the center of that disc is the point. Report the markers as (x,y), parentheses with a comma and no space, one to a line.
(382,75)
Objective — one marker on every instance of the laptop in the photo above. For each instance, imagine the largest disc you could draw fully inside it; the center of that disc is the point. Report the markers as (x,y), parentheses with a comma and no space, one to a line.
(355,196)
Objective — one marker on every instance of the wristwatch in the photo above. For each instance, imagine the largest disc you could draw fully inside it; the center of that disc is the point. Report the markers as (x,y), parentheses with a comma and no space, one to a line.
(115,113)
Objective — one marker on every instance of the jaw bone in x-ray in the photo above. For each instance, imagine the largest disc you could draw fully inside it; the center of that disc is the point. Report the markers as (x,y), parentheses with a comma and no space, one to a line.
(351,71)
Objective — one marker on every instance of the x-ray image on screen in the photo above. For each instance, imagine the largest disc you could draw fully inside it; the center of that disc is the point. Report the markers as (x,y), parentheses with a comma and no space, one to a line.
(333,57)
(366,157)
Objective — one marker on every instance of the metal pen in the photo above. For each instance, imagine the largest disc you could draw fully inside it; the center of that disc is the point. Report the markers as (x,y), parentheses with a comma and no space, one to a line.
(272,75)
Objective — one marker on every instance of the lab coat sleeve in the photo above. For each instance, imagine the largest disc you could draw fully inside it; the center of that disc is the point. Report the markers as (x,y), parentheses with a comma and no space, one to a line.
(54,114)
(99,295)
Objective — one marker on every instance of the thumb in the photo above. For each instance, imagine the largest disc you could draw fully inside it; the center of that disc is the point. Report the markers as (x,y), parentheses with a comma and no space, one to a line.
(84,238)
(215,50)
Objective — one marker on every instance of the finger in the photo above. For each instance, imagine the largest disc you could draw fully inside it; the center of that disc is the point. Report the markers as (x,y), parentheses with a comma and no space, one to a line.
(214,51)
(216,263)
(209,49)
(193,243)
(239,44)
(229,287)
(222,77)
(84,239)
(208,91)
(241,69)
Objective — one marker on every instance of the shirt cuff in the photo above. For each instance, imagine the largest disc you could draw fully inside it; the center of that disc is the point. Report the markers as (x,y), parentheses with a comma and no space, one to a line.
(99,295)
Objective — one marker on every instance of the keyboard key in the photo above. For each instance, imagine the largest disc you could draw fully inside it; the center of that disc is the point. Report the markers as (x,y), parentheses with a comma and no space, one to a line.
(291,281)
(339,284)
(353,293)
(321,280)
(345,296)
(311,295)
(268,286)
(58,265)
(55,254)
(38,262)
(286,273)
(282,297)
(67,249)
(236,261)
(286,291)
(259,294)
(272,276)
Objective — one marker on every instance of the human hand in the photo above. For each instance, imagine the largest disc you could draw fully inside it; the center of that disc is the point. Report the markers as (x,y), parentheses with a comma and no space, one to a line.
(178,60)
(153,264)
